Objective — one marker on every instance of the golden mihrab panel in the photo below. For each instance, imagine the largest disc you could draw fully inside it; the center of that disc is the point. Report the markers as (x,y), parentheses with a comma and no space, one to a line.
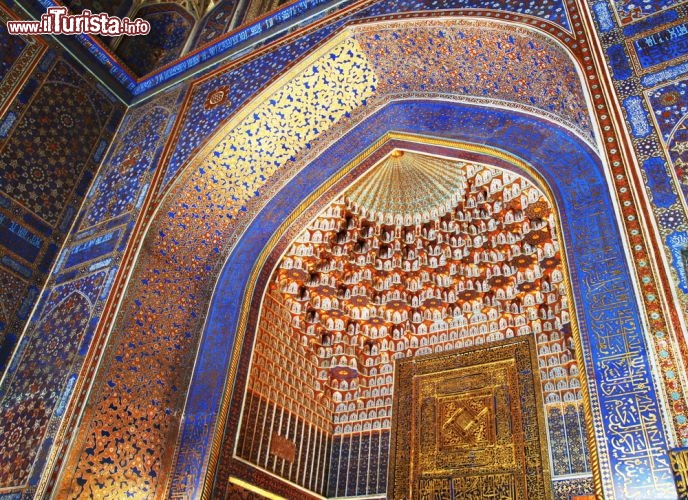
(469,425)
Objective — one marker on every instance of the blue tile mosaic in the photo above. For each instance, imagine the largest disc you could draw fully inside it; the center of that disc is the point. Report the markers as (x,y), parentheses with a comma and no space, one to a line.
(662,46)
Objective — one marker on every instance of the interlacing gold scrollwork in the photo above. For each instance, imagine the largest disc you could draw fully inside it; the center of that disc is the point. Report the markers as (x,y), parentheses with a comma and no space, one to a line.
(679,465)
(484,439)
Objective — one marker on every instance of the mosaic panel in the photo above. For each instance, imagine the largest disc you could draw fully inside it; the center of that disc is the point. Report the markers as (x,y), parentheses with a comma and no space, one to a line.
(670,112)
(669,104)
(654,118)
(230,176)
(469,424)
(18,55)
(56,137)
(170,26)
(631,11)
(10,295)
(99,248)
(574,418)
(567,438)
(117,189)
(202,119)
(214,100)
(678,243)
(603,15)
(619,61)
(678,153)
(45,360)
(655,49)
(640,125)
(497,64)
(12,290)
(32,143)
(567,489)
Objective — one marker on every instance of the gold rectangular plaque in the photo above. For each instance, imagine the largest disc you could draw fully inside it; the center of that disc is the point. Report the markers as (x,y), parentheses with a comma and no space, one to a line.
(283,448)
(468,424)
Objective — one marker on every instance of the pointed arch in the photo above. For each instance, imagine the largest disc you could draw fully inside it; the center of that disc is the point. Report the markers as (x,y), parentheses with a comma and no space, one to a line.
(286,151)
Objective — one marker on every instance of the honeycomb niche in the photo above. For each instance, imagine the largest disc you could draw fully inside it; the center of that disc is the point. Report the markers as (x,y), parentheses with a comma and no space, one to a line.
(421,255)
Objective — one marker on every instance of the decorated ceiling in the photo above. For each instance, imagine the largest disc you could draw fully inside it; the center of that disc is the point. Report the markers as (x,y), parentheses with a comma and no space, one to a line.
(403,264)
(421,255)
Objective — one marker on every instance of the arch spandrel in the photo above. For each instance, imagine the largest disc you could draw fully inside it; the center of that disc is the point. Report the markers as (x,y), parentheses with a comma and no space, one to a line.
(204,218)
(490,63)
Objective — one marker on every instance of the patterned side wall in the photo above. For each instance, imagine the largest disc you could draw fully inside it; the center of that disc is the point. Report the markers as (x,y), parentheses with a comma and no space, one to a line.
(62,326)
(646,48)
(55,126)
(284,430)
(630,11)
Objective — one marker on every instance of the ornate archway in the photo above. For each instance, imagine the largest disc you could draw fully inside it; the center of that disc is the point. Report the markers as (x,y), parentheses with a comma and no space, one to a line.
(573,161)
(285,146)
(421,255)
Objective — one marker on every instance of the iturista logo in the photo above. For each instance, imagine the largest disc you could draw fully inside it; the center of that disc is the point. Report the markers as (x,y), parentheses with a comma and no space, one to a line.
(57,21)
